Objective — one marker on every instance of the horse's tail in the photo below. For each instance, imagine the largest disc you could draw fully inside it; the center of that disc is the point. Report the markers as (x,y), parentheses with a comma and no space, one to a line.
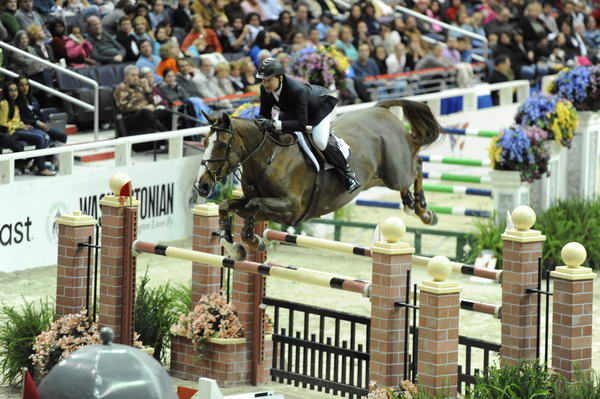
(424,125)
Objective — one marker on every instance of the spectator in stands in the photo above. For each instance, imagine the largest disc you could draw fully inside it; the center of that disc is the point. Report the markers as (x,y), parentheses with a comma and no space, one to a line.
(8,18)
(168,56)
(301,21)
(31,113)
(170,89)
(344,43)
(364,66)
(157,99)
(147,59)
(18,63)
(325,24)
(463,45)
(559,56)
(189,78)
(208,84)
(388,38)
(126,39)
(242,39)
(182,16)
(534,29)
(370,19)
(362,35)
(297,42)
(283,27)
(547,17)
(247,69)
(416,49)
(314,38)
(451,53)
(399,27)
(133,99)
(400,60)
(141,10)
(3,32)
(38,47)
(209,42)
(379,56)
(105,49)
(141,27)
(161,37)
(158,14)
(79,50)
(451,13)
(254,23)
(222,74)
(57,29)
(271,10)
(110,22)
(235,76)
(11,123)
(592,33)
(435,59)
(501,23)
(264,41)
(502,73)
(355,16)
(27,16)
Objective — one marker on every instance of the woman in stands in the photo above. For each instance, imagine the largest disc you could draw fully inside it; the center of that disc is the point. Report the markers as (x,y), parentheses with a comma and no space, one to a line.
(11,123)
(79,50)
(31,113)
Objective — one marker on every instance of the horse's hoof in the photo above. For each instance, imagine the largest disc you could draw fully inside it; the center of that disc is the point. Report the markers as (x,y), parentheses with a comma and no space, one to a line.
(234,250)
(429,218)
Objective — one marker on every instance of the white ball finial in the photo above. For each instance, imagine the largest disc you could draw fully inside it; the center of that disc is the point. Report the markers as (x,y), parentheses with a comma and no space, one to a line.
(523,217)
(573,254)
(439,268)
(117,182)
(393,229)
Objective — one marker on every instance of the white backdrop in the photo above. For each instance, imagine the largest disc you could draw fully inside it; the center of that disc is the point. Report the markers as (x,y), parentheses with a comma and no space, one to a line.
(28,209)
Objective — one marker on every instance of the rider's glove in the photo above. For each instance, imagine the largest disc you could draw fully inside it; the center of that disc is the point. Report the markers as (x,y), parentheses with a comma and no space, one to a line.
(266,125)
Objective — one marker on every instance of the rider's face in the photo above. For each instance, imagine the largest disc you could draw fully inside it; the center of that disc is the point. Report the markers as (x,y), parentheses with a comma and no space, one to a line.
(271,84)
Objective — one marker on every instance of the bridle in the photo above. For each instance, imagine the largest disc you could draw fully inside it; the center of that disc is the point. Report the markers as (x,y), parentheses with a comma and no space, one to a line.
(216,177)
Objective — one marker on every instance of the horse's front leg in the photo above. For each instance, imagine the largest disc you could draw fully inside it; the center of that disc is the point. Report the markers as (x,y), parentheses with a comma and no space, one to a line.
(234,250)
(269,208)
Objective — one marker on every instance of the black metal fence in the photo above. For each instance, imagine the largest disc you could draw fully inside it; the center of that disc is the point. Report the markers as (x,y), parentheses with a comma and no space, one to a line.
(303,355)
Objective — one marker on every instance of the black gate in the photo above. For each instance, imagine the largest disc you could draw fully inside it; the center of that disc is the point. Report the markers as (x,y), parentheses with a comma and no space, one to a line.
(305,356)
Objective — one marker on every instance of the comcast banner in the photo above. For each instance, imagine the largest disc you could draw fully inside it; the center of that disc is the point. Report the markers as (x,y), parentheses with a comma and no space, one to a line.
(28,233)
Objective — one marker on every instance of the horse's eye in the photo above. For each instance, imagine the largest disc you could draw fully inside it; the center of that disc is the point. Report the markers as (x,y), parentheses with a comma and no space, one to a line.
(222,146)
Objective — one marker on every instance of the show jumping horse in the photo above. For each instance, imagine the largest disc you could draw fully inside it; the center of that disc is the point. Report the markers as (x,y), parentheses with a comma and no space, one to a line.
(280,186)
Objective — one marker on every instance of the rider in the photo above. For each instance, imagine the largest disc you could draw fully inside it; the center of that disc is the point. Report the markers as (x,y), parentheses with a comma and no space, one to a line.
(300,105)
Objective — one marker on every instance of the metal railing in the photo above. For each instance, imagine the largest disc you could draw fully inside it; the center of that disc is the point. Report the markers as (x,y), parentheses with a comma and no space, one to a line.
(66,71)
(446,26)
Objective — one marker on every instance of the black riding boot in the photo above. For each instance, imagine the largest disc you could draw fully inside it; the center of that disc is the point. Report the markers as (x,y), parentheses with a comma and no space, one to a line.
(334,156)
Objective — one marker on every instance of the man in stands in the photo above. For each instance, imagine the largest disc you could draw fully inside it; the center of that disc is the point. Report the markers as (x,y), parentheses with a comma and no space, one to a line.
(208,83)
(451,53)
(27,16)
(105,49)
(147,59)
(364,66)
(126,39)
(301,22)
(502,73)
(133,98)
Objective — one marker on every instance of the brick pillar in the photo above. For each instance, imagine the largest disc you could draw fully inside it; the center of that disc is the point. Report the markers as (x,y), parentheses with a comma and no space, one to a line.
(438,330)
(392,258)
(119,215)
(71,277)
(572,313)
(206,279)
(521,251)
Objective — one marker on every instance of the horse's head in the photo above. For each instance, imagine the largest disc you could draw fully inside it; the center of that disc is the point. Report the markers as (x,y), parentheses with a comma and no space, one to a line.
(219,159)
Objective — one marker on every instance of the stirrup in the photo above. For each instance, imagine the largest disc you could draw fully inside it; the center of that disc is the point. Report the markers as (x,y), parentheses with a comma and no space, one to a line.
(351,182)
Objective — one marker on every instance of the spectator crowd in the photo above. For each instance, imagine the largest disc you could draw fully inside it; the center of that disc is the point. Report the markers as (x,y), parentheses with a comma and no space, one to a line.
(187,51)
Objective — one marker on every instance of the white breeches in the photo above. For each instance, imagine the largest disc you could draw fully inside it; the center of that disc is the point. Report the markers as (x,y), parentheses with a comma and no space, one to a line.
(320,133)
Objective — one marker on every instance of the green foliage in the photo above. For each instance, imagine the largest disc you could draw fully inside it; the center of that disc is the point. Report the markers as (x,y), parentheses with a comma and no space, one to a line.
(488,236)
(571,220)
(155,313)
(17,336)
(586,386)
(182,298)
(521,381)
(344,213)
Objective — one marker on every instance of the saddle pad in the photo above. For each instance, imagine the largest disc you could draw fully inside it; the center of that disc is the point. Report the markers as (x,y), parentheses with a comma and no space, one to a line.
(309,151)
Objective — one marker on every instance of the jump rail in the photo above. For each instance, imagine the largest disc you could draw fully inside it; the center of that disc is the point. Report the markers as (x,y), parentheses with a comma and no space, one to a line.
(292,273)
(445,210)
(458,178)
(336,246)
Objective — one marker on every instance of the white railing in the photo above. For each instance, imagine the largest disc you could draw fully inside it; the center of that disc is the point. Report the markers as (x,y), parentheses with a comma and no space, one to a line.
(446,26)
(66,71)
(52,91)
(123,151)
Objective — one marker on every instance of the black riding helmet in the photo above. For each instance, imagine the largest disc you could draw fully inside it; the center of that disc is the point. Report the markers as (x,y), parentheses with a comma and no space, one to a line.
(269,67)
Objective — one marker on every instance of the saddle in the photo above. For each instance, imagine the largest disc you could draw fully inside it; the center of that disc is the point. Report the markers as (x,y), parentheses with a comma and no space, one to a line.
(315,157)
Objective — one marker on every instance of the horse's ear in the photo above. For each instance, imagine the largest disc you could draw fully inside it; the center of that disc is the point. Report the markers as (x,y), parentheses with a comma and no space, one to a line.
(211,119)
(225,120)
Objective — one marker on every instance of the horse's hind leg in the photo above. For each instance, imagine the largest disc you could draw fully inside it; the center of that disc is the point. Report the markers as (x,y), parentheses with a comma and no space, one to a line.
(426,215)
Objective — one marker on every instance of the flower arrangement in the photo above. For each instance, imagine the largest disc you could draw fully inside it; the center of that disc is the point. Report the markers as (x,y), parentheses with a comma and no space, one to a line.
(580,85)
(555,115)
(213,317)
(250,110)
(317,67)
(406,390)
(521,149)
(65,336)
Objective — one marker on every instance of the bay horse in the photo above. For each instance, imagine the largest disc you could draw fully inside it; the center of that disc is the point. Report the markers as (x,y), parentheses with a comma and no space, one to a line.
(280,186)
